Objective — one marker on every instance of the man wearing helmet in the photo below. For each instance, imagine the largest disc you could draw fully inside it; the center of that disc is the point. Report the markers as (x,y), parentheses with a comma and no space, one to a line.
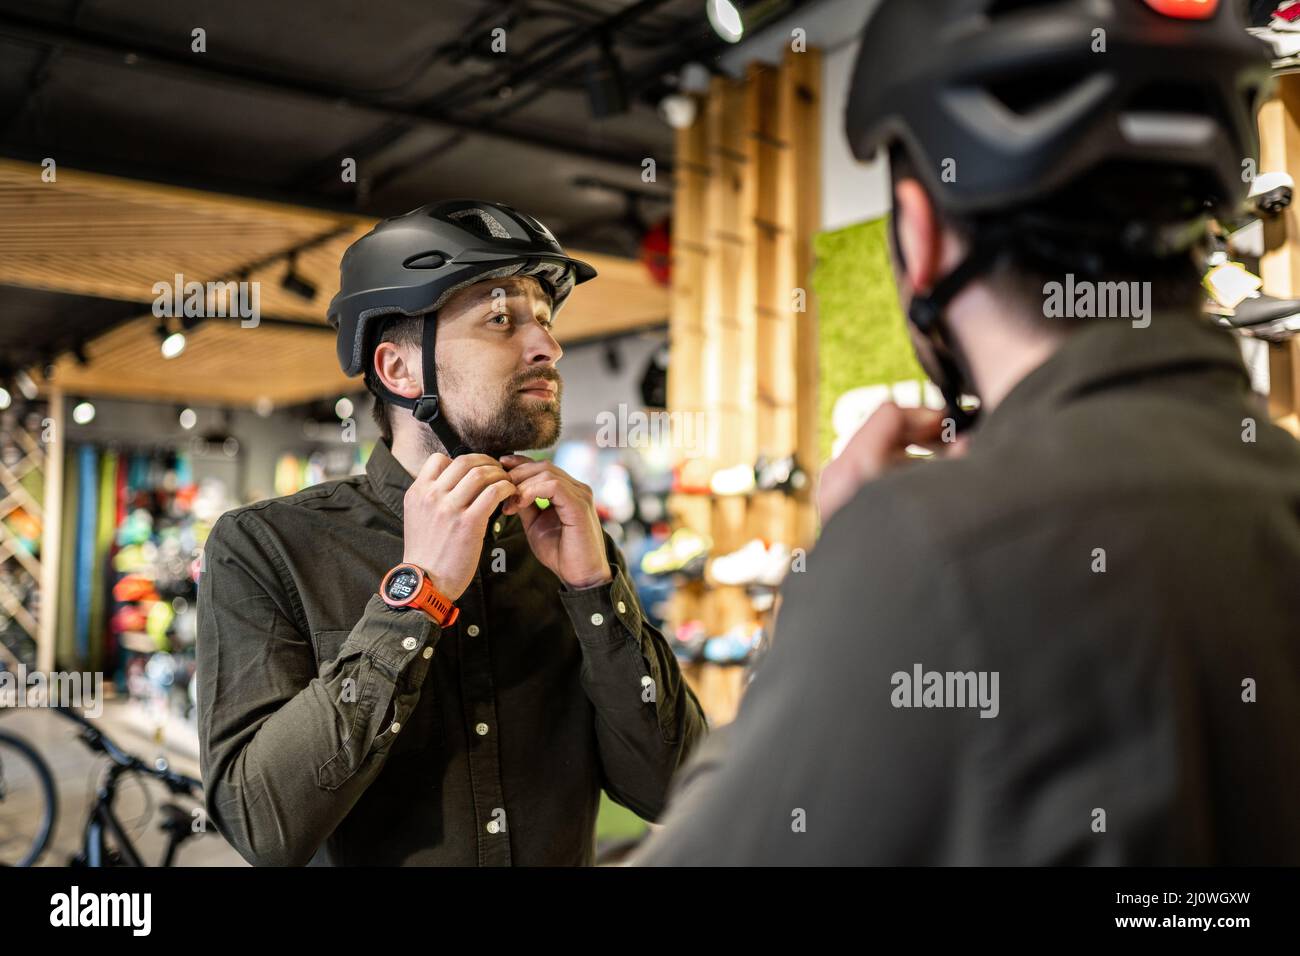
(1053,648)
(442,661)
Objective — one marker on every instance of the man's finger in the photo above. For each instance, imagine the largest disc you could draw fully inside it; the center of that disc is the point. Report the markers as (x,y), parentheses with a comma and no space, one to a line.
(475,480)
(460,467)
(871,443)
(541,486)
(433,466)
(881,430)
(528,513)
(921,425)
(534,469)
(528,468)
(482,506)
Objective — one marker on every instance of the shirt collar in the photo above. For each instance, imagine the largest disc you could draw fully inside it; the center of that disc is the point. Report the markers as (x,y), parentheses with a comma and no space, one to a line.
(388,478)
(1107,352)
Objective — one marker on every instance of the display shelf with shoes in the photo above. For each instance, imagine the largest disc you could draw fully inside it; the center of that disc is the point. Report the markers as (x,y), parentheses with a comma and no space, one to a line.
(735,646)
(688,640)
(757,563)
(684,553)
(736,480)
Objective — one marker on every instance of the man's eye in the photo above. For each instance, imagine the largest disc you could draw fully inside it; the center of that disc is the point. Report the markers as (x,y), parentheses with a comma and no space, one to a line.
(499,319)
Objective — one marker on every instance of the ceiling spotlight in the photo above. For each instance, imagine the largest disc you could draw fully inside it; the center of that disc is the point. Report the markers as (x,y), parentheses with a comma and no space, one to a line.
(173,345)
(694,78)
(25,384)
(591,187)
(677,110)
(188,418)
(725,20)
(83,413)
(297,284)
(343,407)
(5,399)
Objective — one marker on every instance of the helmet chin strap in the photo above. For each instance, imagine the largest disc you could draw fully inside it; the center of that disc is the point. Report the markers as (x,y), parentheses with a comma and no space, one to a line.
(926,313)
(427,408)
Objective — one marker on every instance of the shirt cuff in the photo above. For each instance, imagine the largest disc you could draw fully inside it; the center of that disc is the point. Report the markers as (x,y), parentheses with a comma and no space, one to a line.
(391,638)
(604,613)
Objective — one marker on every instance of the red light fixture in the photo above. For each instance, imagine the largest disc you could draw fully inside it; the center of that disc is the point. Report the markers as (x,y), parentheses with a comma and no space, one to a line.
(1185,9)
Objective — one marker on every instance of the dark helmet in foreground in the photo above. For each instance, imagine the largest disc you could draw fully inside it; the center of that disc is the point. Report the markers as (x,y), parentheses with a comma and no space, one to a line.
(1114,125)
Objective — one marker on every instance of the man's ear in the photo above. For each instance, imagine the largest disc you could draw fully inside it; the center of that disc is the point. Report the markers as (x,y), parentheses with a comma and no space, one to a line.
(398,369)
(920,234)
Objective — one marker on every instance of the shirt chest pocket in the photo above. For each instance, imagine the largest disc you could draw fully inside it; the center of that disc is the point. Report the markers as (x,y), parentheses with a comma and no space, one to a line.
(412,722)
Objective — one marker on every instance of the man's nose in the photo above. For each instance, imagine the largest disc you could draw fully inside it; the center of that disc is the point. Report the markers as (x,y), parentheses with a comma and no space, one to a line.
(542,348)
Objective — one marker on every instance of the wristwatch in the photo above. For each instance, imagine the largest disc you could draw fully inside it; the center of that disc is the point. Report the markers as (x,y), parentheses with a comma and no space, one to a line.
(407,586)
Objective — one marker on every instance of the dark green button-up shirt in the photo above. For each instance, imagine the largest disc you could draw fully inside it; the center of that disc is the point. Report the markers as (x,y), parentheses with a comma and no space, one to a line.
(1120,549)
(335,730)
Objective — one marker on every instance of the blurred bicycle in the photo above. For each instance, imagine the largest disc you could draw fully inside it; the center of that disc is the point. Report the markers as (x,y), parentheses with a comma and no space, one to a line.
(29,805)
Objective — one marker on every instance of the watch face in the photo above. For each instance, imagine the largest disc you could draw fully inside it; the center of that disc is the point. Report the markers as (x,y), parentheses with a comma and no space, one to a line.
(402,585)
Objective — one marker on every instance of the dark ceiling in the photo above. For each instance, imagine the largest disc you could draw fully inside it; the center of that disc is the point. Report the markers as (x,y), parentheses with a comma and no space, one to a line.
(410,89)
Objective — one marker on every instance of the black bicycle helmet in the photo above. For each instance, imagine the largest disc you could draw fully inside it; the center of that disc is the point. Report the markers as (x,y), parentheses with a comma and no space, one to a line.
(1005,104)
(411,264)
(1024,98)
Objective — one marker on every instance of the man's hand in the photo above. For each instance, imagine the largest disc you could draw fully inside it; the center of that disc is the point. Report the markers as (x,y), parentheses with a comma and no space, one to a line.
(445,514)
(566,537)
(879,445)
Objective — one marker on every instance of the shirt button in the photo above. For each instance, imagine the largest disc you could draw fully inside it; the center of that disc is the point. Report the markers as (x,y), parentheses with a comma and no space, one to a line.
(496,527)
(622,608)
(481,730)
(396,727)
(410,643)
(472,630)
(598,619)
(493,827)
(428,652)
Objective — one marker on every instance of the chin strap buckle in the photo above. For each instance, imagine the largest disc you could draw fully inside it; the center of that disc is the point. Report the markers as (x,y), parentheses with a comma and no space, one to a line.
(425,408)
(924,313)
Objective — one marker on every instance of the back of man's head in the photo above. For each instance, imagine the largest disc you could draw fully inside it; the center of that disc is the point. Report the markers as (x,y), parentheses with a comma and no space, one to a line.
(1057,139)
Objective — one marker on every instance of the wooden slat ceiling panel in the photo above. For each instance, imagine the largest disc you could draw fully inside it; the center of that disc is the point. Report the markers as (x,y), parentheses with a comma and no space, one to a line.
(112,238)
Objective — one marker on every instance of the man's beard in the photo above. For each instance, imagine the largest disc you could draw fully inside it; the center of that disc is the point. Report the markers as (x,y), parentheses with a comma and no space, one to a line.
(515,424)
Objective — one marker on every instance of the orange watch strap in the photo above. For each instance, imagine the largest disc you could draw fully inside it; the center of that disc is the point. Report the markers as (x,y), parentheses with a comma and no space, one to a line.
(430,600)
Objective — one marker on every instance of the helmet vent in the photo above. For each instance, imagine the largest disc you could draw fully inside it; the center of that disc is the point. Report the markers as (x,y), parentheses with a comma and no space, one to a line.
(999,8)
(480,222)
(1024,95)
(1171,98)
(1188,100)
(426,260)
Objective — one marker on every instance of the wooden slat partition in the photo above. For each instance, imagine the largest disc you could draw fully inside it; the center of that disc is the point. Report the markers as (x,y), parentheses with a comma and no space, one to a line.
(1279,129)
(746,206)
(114,238)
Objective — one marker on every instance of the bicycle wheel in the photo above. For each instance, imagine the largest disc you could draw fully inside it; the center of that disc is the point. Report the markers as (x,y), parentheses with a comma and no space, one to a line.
(28,804)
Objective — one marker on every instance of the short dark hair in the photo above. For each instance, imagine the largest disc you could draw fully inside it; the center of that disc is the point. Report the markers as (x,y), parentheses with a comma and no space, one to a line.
(1036,255)
(406,330)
